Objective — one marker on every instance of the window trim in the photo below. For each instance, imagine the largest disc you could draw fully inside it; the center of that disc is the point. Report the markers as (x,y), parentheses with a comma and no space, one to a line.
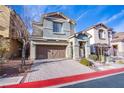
(61,31)
(101,31)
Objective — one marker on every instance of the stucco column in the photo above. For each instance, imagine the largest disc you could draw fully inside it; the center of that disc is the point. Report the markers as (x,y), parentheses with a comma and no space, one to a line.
(32,50)
(120,49)
(69,51)
(87,49)
(75,49)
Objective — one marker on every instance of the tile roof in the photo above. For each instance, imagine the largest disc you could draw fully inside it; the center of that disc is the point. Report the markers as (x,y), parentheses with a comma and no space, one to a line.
(118,37)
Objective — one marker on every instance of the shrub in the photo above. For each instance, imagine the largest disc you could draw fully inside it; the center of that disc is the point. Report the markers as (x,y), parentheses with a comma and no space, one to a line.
(93,57)
(4,48)
(85,62)
(120,62)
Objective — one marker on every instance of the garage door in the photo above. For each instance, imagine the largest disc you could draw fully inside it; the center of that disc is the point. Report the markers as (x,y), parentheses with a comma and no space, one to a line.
(50,52)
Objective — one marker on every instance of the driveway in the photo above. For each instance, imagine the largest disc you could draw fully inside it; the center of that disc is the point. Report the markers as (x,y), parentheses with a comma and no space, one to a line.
(48,69)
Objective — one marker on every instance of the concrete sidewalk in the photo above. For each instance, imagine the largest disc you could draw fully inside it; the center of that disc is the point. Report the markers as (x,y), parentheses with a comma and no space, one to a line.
(10,80)
(108,66)
(67,80)
(55,69)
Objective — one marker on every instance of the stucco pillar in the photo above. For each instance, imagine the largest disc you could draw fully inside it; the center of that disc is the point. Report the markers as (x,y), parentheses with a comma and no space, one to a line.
(87,49)
(32,51)
(69,51)
(120,49)
(75,49)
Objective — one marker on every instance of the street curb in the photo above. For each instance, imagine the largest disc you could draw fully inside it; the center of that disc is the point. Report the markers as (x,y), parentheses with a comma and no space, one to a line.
(65,80)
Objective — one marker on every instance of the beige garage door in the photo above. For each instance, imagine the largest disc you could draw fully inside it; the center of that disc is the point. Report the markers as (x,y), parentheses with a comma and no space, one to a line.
(50,52)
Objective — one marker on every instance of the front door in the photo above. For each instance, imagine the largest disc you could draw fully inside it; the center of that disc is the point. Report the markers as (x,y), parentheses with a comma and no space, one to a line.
(115,48)
(82,49)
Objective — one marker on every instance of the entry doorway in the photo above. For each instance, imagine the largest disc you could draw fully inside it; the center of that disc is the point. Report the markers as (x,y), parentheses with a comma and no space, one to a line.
(82,49)
(115,48)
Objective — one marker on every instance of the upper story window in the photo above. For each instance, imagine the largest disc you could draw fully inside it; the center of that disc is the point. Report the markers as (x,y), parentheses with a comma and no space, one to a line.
(109,34)
(57,27)
(101,34)
(71,27)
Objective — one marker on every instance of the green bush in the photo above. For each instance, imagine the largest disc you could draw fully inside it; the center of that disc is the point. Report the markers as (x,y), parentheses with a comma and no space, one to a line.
(85,62)
(93,57)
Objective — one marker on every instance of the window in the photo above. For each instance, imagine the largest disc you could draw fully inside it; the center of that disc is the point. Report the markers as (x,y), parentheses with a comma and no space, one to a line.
(57,27)
(71,27)
(109,34)
(101,34)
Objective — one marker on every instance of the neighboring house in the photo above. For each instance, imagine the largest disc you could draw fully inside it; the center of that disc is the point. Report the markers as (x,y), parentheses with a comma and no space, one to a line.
(101,37)
(80,45)
(54,37)
(13,29)
(117,44)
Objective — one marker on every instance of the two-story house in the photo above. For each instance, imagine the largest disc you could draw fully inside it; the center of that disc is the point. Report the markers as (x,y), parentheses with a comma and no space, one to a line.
(54,37)
(100,40)
(13,29)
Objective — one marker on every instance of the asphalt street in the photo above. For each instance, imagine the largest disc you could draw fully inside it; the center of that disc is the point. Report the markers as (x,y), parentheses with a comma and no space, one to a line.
(115,81)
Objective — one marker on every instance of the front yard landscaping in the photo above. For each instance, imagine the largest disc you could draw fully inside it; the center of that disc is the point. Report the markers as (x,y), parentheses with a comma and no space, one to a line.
(120,61)
(13,68)
(85,62)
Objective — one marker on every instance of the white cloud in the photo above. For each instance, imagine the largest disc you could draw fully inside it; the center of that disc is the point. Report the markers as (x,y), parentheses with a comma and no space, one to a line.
(119,27)
(93,11)
(83,14)
(114,17)
(102,19)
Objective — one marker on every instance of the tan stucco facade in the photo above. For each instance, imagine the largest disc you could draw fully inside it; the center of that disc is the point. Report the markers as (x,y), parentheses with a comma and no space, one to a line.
(4,20)
(95,37)
(120,48)
(11,27)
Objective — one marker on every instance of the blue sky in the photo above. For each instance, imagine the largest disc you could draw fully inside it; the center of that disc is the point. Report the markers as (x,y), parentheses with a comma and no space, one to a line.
(84,15)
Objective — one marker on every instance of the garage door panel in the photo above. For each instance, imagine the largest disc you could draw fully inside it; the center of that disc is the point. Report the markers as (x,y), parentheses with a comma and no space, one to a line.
(50,52)
(41,52)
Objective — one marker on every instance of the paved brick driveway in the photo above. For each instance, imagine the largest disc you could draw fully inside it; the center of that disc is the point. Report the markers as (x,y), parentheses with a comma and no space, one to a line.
(42,70)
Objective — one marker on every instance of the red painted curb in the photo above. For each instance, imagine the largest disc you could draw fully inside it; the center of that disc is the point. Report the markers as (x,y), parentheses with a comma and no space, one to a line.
(62,80)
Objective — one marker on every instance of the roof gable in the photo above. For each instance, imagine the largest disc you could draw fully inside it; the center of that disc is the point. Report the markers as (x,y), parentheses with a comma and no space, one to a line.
(82,36)
(100,25)
(97,26)
(58,15)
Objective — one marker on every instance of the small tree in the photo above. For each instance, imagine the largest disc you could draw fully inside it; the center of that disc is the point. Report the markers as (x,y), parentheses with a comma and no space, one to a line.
(4,48)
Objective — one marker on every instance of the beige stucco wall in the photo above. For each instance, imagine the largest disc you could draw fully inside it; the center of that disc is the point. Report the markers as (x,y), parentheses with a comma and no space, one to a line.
(32,50)
(11,22)
(92,33)
(106,39)
(95,37)
(4,20)
(120,51)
